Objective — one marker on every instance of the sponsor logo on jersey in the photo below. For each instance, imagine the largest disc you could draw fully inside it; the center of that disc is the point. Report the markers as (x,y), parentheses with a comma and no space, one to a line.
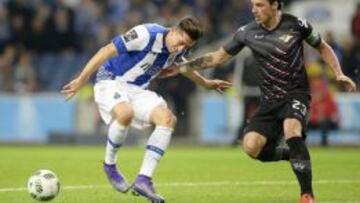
(258,36)
(286,38)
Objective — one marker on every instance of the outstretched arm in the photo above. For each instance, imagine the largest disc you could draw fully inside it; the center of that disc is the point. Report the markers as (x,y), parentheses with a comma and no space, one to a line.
(209,60)
(106,52)
(208,84)
(328,55)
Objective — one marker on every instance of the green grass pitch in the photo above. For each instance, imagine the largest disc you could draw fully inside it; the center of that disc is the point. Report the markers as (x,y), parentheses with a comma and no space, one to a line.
(185,175)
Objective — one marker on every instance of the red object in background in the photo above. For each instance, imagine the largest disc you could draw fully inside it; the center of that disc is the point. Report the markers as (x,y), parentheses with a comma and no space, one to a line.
(355,25)
(323,106)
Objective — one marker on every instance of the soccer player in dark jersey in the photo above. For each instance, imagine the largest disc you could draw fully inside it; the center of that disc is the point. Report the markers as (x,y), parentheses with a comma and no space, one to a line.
(276,40)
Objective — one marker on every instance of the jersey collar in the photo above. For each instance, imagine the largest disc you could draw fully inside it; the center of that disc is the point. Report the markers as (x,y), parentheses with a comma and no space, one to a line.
(277,26)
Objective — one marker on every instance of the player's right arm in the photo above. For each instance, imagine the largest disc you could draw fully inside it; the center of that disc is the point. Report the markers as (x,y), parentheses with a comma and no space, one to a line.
(326,52)
(210,60)
(222,55)
(135,39)
(106,52)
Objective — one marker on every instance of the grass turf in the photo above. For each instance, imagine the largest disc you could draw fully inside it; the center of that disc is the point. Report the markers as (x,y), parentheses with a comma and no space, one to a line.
(185,175)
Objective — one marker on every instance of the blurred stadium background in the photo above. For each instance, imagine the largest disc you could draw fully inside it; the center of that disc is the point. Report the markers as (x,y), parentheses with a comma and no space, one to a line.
(45,43)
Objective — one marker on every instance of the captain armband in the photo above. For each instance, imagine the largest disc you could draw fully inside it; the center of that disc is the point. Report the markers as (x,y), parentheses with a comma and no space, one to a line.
(314,39)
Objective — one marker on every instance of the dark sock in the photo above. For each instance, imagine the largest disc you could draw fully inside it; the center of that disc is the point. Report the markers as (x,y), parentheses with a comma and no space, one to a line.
(301,164)
(272,153)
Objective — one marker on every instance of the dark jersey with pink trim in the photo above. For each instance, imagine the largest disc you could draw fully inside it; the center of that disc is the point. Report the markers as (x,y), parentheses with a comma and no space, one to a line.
(279,53)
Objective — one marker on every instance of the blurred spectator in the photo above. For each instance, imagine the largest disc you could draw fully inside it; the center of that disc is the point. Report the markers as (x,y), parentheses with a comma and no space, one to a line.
(24,76)
(4,27)
(351,62)
(7,59)
(323,110)
(355,24)
(64,32)
(329,38)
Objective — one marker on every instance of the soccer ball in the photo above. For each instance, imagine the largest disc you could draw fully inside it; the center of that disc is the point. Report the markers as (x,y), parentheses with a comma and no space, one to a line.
(43,185)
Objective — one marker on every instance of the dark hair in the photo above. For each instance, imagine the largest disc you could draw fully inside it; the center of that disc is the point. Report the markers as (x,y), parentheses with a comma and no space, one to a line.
(192,27)
(279,2)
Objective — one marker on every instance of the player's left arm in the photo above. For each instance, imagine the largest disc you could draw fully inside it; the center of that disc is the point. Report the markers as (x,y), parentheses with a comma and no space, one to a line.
(198,79)
(328,55)
(314,39)
(210,60)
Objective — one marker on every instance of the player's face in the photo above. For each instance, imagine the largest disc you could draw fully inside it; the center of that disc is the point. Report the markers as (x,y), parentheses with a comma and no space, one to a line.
(262,10)
(179,42)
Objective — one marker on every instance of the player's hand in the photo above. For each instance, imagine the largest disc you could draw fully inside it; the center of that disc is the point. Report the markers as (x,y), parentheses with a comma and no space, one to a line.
(217,84)
(70,89)
(346,82)
(169,72)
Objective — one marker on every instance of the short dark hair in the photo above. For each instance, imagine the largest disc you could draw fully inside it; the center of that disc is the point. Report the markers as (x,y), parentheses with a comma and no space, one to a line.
(192,27)
(279,2)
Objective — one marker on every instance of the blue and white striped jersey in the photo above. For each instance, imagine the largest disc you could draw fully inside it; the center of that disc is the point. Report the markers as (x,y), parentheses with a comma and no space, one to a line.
(142,54)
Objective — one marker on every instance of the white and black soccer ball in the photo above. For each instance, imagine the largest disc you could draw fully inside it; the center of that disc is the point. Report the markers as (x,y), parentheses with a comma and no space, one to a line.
(43,185)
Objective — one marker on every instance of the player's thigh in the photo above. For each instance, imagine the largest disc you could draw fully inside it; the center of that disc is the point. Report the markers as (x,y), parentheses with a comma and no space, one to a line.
(108,97)
(295,115)
(143,104)
(264,127)
(292,128)
(123,113)
(163,116)
(253,143)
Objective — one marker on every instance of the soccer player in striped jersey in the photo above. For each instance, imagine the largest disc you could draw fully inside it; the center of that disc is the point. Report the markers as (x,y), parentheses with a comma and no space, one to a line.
(125,68)
(276,40)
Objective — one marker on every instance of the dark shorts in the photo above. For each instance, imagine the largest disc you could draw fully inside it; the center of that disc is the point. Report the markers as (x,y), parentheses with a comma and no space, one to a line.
(268,120)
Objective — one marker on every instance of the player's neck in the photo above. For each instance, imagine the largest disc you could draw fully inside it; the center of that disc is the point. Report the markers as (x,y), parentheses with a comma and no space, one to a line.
(273,22)
(167,39)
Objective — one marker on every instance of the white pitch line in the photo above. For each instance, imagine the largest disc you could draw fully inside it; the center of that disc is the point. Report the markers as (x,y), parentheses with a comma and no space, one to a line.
(196,184)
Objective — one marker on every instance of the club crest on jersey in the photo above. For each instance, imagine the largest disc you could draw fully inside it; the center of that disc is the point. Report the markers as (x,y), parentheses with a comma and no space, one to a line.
(130,35)
(286,38)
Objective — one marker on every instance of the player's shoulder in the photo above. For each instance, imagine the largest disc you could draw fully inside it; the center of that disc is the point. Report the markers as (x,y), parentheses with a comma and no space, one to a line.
(154,28)
(137,37)
(295,20)
(289,17)
(245,28)
(141,31)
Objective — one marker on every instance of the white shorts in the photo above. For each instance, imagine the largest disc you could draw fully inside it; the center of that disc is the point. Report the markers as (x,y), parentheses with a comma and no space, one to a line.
(109,93)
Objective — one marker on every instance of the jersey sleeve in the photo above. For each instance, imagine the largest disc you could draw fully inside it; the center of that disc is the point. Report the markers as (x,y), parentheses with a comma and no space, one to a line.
(235,45)
(136,39)
(308,33)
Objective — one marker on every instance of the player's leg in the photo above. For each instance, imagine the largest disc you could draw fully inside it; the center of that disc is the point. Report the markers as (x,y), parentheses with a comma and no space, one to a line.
(164,121)
(117,113)
(117,132)
(253,142)
(294,115)
(262,135)
(151,108)
(258,147)
(299,156)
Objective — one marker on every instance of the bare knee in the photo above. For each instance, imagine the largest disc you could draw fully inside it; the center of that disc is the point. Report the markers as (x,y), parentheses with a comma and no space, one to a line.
(292,128)
(253,143)
(123,113)
(162,116)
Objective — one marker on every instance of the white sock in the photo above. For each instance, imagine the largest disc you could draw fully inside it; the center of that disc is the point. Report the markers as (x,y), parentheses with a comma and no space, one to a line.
(116,137)
(155,149)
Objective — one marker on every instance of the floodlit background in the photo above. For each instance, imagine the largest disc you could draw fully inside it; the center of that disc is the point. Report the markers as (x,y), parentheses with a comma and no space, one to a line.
(45,43)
